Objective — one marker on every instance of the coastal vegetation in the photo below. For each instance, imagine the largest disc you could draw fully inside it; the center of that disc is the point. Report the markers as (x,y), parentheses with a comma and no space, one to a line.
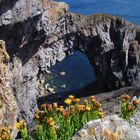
(60,122)
(57,122)
(128,106)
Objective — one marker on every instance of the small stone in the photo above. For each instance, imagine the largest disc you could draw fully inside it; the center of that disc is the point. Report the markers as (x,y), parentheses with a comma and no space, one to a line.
(46,86)
(42,81)
(48,72)
(91,131)
(82,133)
(62,73)
(51,90)
(63,86)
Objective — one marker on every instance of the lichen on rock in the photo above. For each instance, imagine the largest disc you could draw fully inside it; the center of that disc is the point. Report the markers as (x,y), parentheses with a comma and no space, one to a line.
(109,128)
(3,57)
(8,104)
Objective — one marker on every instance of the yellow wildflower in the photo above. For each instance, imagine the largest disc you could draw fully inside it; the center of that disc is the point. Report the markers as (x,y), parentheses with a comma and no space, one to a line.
(39,126)
(55,105)
(88,108)
(101,114)
(93,100)
(37,111)
(61,109)
(136,102)
(76,100)
(97,104)
(85,102)
(5,136)
(61,106)
(71,97)
(18,125)
(50,108)
(36,116)
(125,97)
(52,123)
(65,114)
(50,119)
(68,101)
(92,97)
(43,106)
(81,108)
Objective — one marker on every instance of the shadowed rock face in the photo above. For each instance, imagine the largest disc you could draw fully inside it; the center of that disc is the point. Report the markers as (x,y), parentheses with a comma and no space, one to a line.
(40,33)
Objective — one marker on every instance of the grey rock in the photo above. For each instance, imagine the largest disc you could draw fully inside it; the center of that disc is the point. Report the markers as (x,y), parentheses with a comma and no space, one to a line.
(8,106)
(18,11)
(111,127)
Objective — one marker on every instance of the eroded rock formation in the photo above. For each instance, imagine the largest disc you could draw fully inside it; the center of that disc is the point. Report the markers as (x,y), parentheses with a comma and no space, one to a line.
(8,104)
(40,33)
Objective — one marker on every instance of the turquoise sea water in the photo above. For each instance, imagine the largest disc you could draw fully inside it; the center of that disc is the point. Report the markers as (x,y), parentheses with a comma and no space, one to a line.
(128,9)
(79,72)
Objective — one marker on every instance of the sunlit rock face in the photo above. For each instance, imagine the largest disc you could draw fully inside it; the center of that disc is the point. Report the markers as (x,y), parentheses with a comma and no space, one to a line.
(40,33)
(18,10)
(110,43)
(111,127)
(8,105)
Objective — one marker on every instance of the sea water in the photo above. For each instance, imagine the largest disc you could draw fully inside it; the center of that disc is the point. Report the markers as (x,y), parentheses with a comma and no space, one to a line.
(78,71)
(128,9)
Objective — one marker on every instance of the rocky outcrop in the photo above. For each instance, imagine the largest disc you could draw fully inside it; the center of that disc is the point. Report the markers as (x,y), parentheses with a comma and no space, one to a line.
(40,33)
(16,11)
(8,104)
(109,128)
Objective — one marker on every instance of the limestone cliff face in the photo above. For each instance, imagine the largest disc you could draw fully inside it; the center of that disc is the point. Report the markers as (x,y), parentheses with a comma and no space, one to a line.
(40,33)
(8,105)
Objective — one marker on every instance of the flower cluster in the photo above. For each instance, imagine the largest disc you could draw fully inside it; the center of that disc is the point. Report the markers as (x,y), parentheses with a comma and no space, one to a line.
(61,122)
(5,133)
(21,124)
(128,106)
(50,121)
(22,127)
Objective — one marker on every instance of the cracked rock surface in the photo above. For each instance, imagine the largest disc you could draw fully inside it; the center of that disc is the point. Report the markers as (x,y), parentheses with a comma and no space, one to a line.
(109,128)
(8,104)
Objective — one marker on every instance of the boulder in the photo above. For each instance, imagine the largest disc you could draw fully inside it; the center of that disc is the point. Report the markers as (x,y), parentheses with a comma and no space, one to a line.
(109,128)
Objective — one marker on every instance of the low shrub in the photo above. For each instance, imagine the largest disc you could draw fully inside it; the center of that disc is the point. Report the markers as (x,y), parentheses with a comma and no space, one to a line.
(56,122)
